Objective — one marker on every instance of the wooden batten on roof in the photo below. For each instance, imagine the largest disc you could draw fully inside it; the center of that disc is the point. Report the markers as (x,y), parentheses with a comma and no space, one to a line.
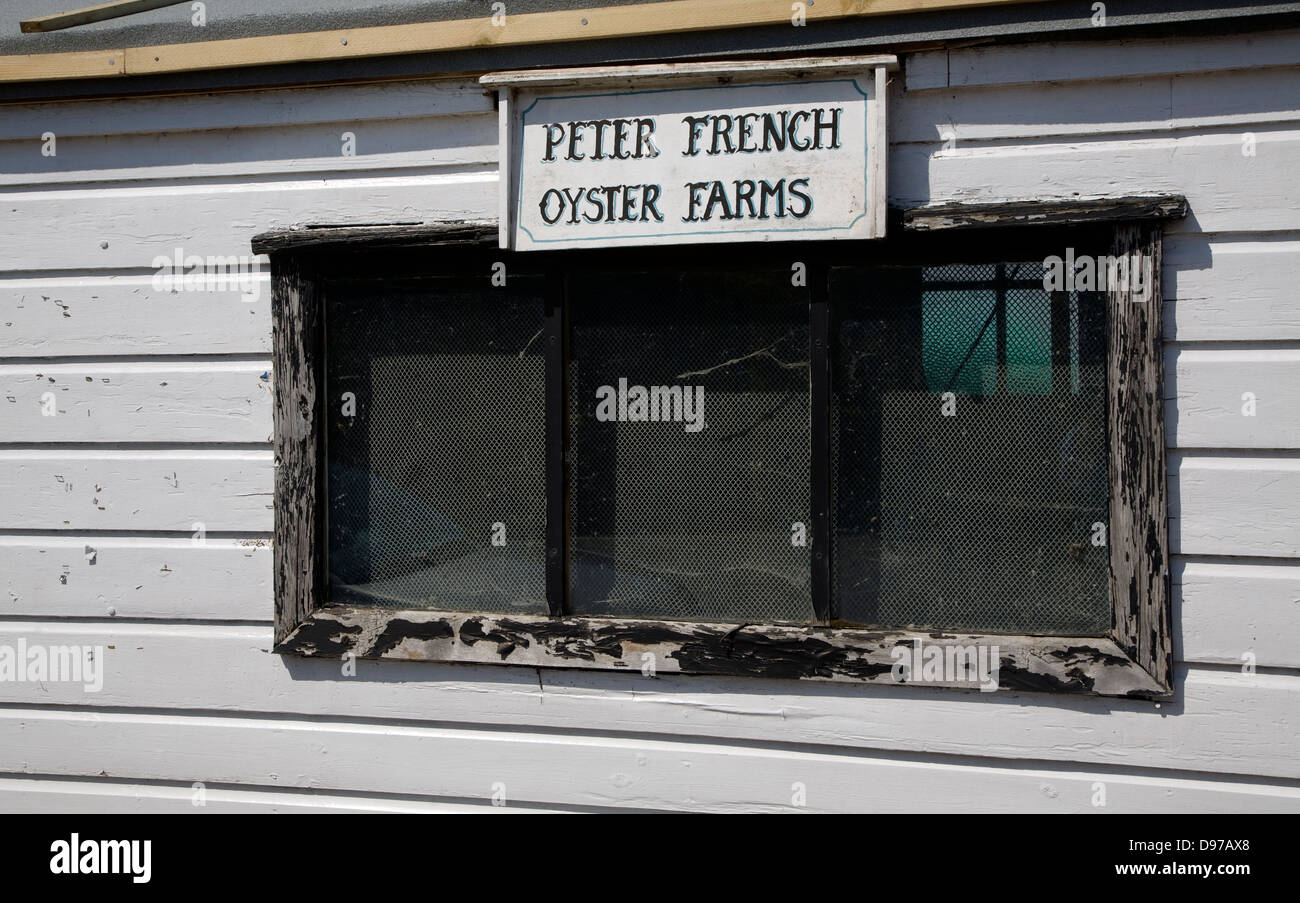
(115,9)
(633,20)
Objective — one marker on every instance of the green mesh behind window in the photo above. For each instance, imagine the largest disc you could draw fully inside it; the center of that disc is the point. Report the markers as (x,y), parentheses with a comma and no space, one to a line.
(969,450)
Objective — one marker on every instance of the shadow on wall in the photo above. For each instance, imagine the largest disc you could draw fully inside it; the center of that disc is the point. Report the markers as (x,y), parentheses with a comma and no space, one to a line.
(777,700)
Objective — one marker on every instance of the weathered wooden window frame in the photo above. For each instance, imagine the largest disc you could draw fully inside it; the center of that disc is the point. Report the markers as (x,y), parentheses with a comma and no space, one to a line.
(1133,659)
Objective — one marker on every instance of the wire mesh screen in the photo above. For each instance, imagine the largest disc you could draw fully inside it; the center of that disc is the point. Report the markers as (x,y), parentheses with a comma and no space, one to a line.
(436,445)
(689,447)
(969,451)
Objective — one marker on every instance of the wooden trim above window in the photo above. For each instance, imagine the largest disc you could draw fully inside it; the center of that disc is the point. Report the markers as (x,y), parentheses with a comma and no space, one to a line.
(1074,211)
(1134,658)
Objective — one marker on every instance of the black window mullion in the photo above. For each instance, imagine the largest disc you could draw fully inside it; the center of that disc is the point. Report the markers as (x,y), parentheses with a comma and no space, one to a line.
(820,476)
(1000,351)
(556,421)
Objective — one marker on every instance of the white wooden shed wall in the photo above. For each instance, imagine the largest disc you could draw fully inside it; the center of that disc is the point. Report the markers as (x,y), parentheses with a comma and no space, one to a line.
(164,417)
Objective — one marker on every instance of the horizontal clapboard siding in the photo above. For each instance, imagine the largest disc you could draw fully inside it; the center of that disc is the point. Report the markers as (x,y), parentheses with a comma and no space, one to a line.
(104,796)
(139,516)
(1229,610)
(290,109)
(318,150)
(1235,505)
(1231,288)
(199,577)
(1232,398)
(94,489)
(230,669)
(1147,105)
(172,401)
(89,228)
(133,179)
(588,771)
(109,314)
(1226,190)
(1055,63)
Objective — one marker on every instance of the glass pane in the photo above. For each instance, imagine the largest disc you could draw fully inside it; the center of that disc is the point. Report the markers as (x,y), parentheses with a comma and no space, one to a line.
(973,510)
(436,445)
(689,446)
(957,349)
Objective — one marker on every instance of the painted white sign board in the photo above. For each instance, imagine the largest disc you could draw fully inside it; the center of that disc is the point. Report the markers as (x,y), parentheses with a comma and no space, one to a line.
(776,160)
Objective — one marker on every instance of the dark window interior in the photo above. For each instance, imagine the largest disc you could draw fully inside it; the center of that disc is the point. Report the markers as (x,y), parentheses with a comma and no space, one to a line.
(691,520)
(443,481)
(446,441)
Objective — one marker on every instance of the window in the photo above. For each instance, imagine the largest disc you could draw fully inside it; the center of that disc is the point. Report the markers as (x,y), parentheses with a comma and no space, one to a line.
(684,509)
(969,415)
(436,444)
(773,460)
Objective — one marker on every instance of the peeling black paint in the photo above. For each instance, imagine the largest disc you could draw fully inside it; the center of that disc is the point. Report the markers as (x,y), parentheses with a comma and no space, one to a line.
(400,629)
(572,639)
(1090,653)
(322,636)
(756,654)
(748,650)
(1015,677)
(507,641)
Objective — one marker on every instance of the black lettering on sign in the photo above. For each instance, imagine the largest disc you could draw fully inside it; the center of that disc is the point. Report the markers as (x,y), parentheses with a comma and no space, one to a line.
(601,126)
(600,204)
(721,132)
(826,121)
(796,191)
(747,199)
(611,139)
(695,126)
(554,135)
(750,133)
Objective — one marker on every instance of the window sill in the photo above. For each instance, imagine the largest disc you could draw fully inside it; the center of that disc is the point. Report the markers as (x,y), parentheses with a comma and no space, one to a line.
(1090,665)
